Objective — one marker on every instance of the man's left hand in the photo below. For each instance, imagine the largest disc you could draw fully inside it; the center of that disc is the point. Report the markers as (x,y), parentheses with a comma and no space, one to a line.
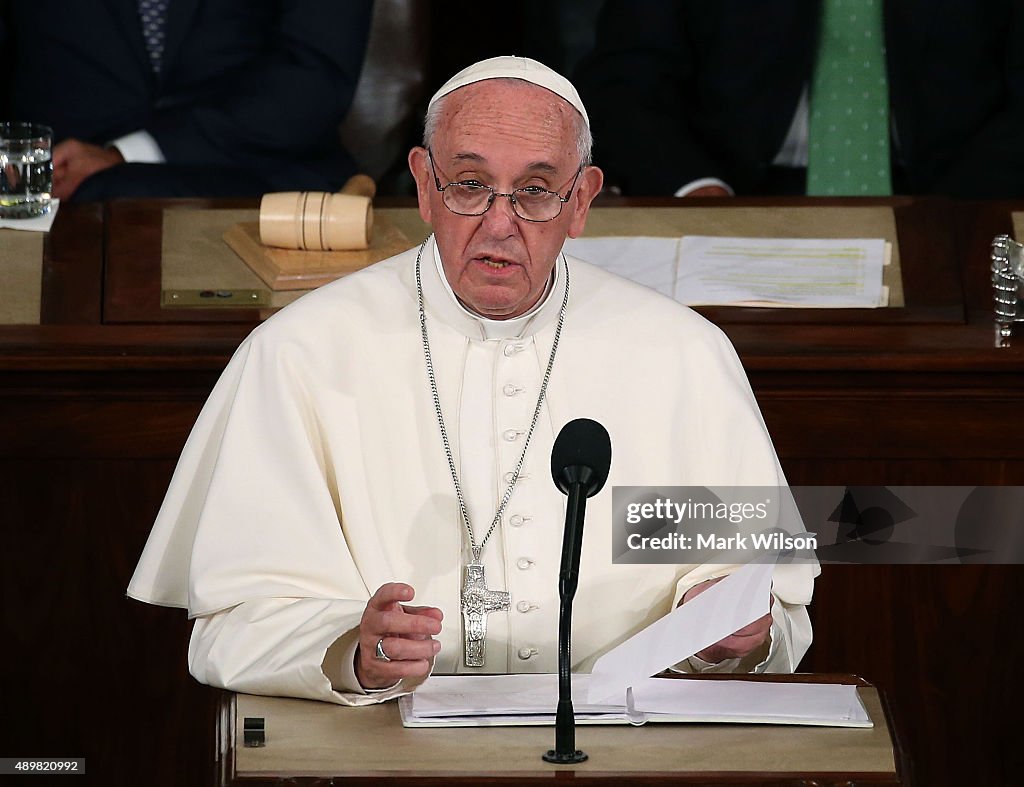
(709,191)
(74,161)
(738,644)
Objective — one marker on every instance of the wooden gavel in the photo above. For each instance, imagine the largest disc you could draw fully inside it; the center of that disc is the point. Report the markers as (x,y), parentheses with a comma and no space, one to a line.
(320,220)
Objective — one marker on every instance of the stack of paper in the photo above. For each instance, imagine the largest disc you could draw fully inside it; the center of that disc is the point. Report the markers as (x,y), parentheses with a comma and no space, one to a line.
(504,700)
(703,270)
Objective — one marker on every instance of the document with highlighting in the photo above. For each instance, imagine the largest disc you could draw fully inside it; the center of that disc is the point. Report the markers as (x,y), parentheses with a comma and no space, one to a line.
(777,272)
(831,273)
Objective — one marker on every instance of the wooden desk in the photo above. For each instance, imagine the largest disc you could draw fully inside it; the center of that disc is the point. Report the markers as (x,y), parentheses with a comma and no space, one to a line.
(97,400)
(319,743)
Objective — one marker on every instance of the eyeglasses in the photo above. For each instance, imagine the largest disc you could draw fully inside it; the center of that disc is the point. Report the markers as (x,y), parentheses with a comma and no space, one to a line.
(532,203)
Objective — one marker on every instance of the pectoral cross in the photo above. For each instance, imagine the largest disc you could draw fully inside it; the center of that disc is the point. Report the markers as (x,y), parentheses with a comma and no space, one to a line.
(477,602)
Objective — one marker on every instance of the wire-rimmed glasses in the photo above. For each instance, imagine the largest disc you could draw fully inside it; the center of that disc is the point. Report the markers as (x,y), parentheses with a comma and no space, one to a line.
(531,203)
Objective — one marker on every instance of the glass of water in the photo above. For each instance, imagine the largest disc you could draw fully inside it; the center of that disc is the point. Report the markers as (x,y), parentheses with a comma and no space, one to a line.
(26,169)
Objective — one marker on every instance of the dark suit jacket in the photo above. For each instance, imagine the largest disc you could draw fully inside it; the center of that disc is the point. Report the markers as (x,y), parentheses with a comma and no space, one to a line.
(255,85)
(678,90)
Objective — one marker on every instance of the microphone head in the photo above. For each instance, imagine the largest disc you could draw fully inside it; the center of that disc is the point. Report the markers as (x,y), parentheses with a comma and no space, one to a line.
(582,453)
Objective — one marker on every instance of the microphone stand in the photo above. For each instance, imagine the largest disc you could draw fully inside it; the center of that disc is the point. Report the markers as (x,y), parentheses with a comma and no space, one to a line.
(565,751)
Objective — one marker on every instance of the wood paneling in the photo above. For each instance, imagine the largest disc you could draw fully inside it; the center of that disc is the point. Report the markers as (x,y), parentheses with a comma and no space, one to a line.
(90,672)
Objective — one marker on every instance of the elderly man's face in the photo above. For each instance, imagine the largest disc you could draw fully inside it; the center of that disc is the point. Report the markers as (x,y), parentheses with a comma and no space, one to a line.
(506,135)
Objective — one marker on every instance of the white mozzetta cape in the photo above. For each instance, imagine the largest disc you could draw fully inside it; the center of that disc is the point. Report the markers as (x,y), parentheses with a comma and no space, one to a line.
(315,473)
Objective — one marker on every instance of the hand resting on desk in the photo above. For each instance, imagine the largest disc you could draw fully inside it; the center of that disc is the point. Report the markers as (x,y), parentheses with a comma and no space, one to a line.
(406,633)
(74,161)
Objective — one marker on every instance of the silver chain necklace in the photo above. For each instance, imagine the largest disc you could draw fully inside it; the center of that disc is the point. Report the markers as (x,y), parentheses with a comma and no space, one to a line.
(477,599)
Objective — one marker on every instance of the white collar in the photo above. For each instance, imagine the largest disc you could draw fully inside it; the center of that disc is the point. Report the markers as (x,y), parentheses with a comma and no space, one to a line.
(441,299)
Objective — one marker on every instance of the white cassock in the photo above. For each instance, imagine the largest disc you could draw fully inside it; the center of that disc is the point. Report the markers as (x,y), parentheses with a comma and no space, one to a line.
(316,473)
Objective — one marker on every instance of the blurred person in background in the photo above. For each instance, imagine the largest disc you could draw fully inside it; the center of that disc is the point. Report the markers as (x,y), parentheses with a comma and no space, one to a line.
(177,98)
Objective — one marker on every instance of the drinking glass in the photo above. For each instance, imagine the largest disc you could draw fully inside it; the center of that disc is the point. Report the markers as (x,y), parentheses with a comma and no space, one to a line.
(26,169)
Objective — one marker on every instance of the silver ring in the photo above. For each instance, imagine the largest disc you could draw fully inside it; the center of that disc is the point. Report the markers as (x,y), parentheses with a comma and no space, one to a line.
(380,655)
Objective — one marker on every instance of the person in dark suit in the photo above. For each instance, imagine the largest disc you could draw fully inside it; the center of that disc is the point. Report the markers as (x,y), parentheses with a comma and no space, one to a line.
(690,97)
(186,97)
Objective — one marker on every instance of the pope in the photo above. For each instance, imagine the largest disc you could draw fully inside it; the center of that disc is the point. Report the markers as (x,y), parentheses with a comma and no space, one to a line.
(365,497)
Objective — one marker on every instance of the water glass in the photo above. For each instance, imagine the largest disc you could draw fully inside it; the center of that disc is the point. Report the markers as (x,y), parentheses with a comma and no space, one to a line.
(26,169)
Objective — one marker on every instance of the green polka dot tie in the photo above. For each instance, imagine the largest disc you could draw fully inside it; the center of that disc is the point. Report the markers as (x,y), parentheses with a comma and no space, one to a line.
(849,125)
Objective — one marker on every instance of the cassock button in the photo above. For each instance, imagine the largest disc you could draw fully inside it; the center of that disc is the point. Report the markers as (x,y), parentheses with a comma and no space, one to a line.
(510,435)
(525,606)
(524,563)
(512,349)
(516,520)
(509,474)
(525,653)
(510,390)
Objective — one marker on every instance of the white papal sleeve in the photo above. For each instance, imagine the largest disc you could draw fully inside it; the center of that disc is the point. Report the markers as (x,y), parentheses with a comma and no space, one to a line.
(276,647)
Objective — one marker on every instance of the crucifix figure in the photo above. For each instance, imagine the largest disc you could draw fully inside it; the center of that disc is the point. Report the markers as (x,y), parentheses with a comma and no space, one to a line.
(477,602)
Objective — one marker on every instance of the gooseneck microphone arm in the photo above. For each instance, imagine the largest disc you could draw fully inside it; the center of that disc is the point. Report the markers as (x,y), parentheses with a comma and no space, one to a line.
(580,461)
(568,578)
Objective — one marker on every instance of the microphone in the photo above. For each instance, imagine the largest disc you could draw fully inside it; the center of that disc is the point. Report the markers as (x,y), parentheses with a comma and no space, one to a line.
(580,460)
(582,453)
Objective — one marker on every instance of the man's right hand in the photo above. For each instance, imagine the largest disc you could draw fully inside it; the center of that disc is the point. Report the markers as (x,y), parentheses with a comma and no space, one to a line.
(406,635)
(74,161)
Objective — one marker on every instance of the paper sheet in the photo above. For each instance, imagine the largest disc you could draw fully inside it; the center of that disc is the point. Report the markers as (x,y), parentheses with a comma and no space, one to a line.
(461,695)
(729,605)
(739,700)
(36,223)
(652,262)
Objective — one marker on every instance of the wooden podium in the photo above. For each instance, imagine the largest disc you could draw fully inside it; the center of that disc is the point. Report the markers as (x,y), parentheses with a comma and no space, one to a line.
(314,743)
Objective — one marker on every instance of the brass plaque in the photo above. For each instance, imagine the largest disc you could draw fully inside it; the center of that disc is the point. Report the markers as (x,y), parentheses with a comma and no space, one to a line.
(215,299)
